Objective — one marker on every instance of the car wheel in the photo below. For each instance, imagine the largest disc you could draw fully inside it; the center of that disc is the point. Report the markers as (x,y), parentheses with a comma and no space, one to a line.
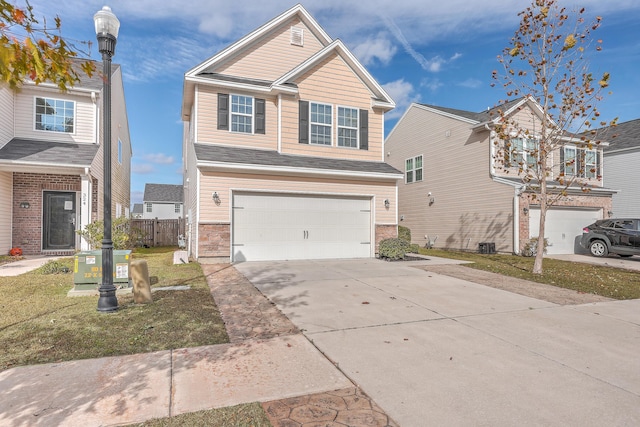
(598,248)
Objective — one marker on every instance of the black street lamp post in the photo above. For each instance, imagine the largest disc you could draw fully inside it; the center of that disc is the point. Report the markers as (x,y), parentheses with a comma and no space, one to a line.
(107,26)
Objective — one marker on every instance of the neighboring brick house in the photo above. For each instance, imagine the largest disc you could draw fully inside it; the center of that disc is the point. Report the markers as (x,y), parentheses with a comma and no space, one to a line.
(163,201)
(283,149)
(623,167)
(51,163)
(457,195)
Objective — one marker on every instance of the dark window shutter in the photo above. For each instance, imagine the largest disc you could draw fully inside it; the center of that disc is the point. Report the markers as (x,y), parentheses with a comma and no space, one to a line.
(562,160)
(223,111)
(364,130)
(260,116)
(303,121)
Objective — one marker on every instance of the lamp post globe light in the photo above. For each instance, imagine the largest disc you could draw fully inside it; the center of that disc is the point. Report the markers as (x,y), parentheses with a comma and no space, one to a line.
(107,26)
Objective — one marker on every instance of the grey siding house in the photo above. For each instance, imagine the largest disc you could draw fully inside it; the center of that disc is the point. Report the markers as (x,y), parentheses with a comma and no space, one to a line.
(163,201)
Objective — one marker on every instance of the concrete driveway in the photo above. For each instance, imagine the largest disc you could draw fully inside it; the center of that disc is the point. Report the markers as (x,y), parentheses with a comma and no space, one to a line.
(435,350)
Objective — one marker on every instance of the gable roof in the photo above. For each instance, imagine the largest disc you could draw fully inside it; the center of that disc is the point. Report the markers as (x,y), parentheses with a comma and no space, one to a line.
(204,72)
(168,193)
(137,208)
(93,84)
(242,158)
(46,153)
(627,136)
(486,116)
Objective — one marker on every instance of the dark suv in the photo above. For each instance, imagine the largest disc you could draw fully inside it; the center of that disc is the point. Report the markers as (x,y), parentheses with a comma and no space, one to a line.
(614,235)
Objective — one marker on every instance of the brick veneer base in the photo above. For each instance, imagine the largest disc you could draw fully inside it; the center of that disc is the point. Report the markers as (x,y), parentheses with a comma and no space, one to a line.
(385,232)
(27,223)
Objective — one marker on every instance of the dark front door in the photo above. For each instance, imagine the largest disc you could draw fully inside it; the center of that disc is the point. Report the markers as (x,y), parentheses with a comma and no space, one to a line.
(59,222)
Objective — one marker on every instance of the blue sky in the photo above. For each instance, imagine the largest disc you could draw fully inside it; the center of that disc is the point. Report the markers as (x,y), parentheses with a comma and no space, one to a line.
(435,52)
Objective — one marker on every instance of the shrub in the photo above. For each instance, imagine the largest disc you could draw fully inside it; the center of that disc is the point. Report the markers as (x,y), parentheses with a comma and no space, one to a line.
(404,233)
(94,233)
(393,249)
(414,248)
(531,247)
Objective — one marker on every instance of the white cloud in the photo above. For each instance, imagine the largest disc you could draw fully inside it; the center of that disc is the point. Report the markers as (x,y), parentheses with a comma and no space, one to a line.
(431,84)
(378,48)
(403,93)
(471,83)
(142,168)
(159,158)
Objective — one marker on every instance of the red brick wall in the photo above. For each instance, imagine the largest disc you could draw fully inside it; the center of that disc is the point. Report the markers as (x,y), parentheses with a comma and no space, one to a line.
(27,223)
(385,232)
(214,240)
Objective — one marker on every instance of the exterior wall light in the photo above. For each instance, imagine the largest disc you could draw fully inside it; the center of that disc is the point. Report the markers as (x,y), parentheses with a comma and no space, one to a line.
(387,203)
(25,205)
(525,210)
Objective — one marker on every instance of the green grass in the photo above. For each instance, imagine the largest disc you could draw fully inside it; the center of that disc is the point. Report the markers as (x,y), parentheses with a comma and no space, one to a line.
(40,324)
(249,415)
(601,280)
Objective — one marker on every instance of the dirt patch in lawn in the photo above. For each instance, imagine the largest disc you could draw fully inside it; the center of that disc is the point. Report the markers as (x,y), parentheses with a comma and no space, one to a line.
(540,291)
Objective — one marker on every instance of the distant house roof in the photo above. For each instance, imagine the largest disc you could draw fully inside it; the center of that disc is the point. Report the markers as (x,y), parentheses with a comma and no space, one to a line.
(137,208)
(46,152)
(482,116)
(163,193)
(216,154)
(627,136)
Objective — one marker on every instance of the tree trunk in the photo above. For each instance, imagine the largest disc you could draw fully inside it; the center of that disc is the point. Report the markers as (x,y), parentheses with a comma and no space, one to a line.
(537,264)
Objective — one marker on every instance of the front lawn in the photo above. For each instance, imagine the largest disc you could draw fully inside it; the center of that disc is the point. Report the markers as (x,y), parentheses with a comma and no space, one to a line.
(40,324)
(594,279)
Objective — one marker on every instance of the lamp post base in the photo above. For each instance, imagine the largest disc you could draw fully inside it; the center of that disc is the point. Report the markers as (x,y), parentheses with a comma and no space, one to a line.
(107,301)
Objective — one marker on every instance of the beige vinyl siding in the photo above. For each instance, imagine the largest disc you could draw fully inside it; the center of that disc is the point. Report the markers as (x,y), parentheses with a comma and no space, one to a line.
(121,173)
(273,55)
(6,115)
(191,175)
(207,122)
(224,183)
(332,82)
(6,185)
(85,116)
(456,172)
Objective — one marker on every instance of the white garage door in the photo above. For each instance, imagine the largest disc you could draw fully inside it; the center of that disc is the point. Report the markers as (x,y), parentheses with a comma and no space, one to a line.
(562,227)
(281,227)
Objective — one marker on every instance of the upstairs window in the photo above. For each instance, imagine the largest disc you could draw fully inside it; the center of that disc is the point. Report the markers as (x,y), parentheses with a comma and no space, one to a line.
(347,127)
(247,113)
(55,115)
(149,207)
(580,162)
(413,169)
(321,124)
(176,208)
(241,114)
(521,153)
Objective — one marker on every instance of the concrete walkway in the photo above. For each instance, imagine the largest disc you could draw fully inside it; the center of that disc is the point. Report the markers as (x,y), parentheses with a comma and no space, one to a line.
(28,263)
(436,350)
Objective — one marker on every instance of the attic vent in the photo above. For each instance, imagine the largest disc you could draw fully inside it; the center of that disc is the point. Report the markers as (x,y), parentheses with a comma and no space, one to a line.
(297,36)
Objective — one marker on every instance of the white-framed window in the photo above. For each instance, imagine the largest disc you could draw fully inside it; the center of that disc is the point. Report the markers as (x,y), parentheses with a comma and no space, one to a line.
(521,152)
(347,127)
(241,113)
(119,151)
(118,210)
(149,207)
(413,169)
(321,123)
(590,164)
(55,115)
(570,161)
(176,208)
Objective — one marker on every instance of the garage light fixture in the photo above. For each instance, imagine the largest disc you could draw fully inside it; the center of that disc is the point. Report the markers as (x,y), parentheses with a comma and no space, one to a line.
(387,203)
(216,198)
(525,210)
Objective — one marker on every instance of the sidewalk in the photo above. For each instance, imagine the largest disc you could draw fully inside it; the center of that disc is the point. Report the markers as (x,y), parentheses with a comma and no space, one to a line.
(268,361)
(29,263)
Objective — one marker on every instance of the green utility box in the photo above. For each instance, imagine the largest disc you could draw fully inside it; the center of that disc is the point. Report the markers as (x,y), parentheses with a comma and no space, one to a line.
(87,269)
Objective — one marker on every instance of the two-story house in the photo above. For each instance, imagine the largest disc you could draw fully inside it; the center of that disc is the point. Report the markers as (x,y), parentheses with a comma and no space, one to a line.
(457,194)
(51,163)
(163,201)
(283,149)
(622,157)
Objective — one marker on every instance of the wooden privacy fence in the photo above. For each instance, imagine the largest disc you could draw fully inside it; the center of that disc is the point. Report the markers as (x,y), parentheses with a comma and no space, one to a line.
(157,232)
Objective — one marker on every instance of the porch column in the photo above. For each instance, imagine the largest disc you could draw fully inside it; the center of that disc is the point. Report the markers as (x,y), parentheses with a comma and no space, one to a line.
(85,209)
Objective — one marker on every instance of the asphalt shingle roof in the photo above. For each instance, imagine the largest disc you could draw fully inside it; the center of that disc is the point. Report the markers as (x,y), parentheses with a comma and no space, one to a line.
(55,153)
(163,193)
(137,208)
(482,116)
(224,154)
(627,136)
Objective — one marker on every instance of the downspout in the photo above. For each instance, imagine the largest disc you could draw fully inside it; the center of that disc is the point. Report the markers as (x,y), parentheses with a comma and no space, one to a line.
(279,123)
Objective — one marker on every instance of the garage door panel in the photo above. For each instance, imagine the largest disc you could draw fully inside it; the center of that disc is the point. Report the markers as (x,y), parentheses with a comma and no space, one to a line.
(562,226)
(275,227)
